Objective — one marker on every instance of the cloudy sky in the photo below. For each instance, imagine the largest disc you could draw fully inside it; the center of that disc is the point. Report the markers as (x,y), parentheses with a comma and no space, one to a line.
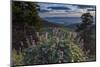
(63,10)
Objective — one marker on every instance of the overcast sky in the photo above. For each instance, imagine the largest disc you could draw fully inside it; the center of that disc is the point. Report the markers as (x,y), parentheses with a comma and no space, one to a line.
(63,10)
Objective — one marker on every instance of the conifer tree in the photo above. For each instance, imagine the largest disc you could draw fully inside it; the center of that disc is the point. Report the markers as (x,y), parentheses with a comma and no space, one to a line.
(25,23)
(84,30)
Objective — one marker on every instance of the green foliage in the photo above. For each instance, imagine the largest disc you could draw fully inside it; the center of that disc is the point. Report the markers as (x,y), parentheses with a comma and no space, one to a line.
(25,13)
(25,21)
(17,58)
(54,51)
(85,31)
(87,20)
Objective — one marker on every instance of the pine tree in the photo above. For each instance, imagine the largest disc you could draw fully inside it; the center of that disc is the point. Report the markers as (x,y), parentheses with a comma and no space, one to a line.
(25,23)
(25,13)
(84,30)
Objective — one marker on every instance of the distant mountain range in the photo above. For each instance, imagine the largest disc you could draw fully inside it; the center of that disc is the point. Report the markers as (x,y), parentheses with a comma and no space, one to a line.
(72,26)
(49,24)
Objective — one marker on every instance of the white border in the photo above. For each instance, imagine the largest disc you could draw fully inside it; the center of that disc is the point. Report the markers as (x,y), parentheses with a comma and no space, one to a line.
(5,33)
(89,2)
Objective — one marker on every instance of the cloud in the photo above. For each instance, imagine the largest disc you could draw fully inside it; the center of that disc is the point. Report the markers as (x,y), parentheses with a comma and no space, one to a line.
(85,6)
(59,8)
(91,9)
(51,6)
(54,9)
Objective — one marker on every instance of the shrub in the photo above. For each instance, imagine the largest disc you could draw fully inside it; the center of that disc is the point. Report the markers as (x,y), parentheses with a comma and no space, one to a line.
(17,58)
(54,51)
